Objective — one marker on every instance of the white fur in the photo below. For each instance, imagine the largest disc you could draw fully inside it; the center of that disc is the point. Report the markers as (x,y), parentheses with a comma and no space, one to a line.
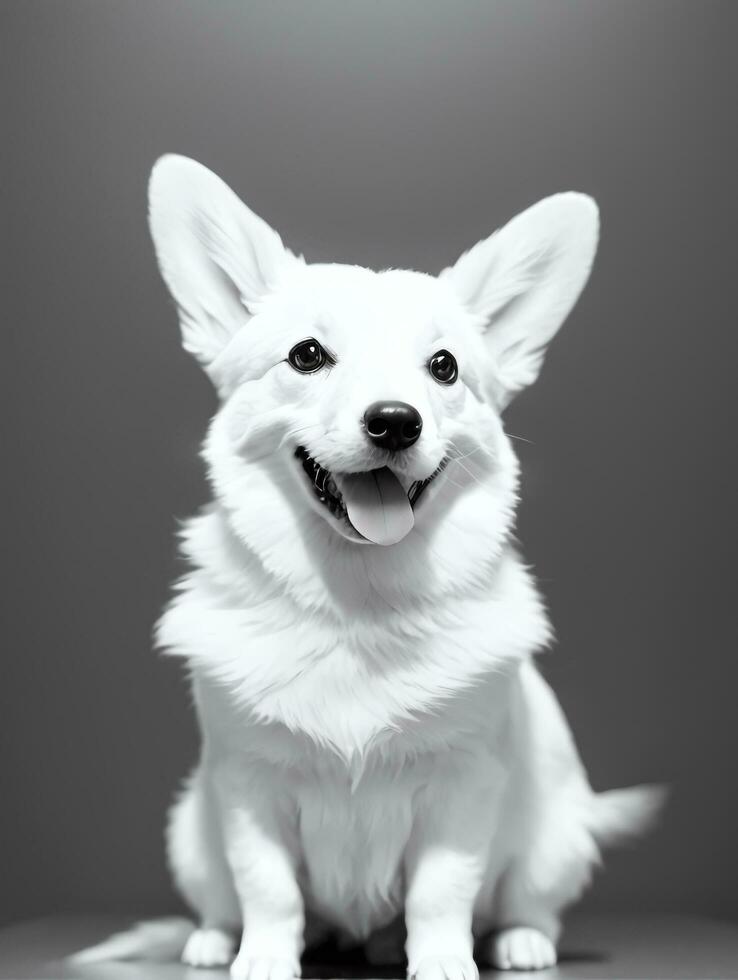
(376,740)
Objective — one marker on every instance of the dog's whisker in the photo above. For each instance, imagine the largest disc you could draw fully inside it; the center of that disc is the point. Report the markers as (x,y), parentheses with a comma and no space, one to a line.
(472,452)
(447,476)
(466,469)
(477,449)
(459,459)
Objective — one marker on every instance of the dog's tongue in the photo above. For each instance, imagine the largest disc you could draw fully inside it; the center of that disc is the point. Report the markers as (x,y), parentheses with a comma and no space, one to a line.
(377,505)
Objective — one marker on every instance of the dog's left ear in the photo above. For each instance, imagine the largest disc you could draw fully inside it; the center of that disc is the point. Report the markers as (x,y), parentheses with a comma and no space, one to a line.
(523,281)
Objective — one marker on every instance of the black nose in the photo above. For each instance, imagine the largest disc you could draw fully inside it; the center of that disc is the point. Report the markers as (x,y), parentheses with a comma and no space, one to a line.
(392,425)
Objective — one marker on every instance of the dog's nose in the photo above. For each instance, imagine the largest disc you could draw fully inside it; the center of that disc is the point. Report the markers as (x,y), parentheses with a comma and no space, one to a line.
(392,425)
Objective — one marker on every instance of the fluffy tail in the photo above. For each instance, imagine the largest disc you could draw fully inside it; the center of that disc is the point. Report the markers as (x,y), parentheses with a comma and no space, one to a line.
(619,816)
(160,940)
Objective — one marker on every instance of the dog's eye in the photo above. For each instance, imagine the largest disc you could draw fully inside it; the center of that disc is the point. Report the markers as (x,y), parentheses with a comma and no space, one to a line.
(307,356)
(443,367)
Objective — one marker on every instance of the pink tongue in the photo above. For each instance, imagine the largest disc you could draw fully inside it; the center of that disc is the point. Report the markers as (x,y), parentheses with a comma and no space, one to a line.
(377,505)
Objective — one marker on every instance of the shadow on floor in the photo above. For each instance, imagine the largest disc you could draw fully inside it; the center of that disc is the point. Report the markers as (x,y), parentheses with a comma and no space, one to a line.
(583,956)
(328,961)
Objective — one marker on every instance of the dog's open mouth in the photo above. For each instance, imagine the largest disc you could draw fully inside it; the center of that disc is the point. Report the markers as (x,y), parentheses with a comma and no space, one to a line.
(374,502)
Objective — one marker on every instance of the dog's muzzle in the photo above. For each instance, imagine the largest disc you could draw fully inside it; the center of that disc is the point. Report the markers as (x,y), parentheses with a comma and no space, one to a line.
(374,502)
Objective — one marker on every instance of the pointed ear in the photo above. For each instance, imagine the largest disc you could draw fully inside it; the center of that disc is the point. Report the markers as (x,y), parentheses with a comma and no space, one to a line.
(216,256)
(522,282)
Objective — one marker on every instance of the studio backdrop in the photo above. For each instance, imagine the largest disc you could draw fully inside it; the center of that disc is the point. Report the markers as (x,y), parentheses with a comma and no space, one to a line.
(386,134)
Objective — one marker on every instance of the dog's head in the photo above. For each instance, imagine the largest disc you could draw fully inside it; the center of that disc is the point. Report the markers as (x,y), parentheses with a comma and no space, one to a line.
(359,404)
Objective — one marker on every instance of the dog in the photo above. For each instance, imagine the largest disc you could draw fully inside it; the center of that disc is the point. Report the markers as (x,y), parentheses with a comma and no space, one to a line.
(381,759)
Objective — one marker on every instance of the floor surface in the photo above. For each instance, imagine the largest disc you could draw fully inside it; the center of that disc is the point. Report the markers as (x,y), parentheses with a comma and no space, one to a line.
(597,948)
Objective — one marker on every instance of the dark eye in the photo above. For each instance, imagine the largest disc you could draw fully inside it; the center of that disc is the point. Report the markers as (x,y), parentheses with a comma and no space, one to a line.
(443,367)
(307,356)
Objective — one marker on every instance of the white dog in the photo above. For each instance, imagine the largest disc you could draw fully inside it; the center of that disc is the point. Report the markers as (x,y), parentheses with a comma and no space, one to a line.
(357,622)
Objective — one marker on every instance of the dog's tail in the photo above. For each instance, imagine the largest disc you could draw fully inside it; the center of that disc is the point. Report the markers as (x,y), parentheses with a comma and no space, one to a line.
(619,816)
(159,940)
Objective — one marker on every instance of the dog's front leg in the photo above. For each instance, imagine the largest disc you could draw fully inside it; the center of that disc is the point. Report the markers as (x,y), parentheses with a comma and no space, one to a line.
(261,848)
(445,865)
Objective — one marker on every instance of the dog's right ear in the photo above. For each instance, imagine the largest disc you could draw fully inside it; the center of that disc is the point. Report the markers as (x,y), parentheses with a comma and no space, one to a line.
(216,256)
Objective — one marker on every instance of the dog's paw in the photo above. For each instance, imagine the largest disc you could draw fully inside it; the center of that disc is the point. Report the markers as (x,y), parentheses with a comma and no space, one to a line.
(209,947)
(521,948)
(446,968)
(246,967)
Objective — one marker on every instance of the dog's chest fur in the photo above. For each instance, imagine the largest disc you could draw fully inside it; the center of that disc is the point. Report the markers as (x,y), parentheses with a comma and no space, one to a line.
(352,839)
(346,682)
(358,821)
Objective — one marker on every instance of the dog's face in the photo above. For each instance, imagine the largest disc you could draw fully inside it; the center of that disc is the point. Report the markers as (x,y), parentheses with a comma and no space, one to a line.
(364,395)
(368,383)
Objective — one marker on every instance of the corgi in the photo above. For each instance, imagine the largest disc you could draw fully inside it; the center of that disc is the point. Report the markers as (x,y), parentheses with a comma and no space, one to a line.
(381,759)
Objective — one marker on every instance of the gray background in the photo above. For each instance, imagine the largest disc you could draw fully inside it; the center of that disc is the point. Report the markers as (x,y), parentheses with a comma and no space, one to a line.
(384,133)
